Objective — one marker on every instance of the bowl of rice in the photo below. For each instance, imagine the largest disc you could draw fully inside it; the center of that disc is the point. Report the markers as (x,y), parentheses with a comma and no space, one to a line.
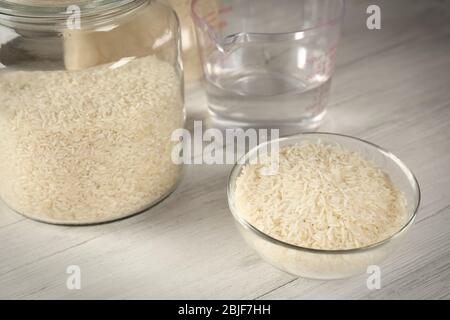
(322,205)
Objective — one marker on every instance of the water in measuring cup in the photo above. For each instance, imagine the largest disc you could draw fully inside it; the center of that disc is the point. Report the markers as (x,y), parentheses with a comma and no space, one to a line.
(255,98)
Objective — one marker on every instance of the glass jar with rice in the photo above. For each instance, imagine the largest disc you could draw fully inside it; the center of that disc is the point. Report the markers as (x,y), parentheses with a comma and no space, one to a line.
(91,93)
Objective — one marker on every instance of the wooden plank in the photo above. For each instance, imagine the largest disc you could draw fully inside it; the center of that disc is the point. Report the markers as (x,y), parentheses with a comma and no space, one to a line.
(7,216)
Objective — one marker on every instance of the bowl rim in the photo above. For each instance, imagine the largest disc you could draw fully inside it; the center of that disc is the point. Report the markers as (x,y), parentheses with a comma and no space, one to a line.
(243,160)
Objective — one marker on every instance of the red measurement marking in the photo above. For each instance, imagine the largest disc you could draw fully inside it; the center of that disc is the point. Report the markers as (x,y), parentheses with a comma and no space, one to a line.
(322,64)
(208,15)
(221,24)
(215,13)
(226,9)
(212,17)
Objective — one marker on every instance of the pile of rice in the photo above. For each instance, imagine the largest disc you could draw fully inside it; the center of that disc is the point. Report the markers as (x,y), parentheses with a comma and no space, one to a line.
(91,145)
(323,197)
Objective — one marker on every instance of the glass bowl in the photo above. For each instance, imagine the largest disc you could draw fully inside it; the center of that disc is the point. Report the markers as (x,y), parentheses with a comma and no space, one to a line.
(329,264)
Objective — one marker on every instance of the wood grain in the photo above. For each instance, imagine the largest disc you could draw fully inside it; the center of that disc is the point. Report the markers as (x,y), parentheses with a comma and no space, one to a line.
(392,87)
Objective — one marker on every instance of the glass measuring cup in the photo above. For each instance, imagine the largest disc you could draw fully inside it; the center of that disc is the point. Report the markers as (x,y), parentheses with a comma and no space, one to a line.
(268,63)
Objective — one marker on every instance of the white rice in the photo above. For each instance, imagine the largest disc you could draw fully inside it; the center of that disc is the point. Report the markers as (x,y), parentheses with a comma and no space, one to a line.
(323,197)
(88,146)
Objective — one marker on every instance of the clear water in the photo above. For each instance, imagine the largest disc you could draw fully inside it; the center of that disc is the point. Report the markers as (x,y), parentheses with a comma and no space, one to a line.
(261,99)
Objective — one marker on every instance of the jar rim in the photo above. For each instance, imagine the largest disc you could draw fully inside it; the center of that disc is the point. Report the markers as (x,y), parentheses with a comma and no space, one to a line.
(28,12)
(36,8)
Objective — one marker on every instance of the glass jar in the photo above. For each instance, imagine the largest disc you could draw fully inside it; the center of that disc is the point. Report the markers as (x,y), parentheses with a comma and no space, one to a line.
(91,93)
(191,59)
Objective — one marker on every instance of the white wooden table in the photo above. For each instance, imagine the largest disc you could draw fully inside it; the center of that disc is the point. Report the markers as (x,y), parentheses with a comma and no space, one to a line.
(392,87)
